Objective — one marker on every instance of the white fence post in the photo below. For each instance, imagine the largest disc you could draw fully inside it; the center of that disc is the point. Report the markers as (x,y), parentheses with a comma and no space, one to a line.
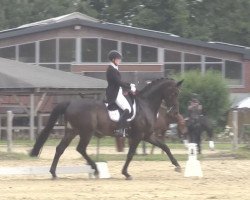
(9,130)
(235,129)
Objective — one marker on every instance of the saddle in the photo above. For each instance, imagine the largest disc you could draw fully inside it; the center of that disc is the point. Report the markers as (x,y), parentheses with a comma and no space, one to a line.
(115,111)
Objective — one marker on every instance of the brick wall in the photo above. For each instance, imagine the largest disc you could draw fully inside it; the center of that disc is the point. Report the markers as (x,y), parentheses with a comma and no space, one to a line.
(246,76)
(123,67)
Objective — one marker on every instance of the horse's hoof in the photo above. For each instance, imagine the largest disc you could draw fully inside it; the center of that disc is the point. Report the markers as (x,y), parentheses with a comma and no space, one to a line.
(54,178)
(129,178)
(97,176)
(178,169)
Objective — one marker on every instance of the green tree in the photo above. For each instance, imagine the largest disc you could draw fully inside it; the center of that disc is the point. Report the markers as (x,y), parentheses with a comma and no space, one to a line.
(216,20)
(225,21)
(212,91)
(163,15)
(17,12)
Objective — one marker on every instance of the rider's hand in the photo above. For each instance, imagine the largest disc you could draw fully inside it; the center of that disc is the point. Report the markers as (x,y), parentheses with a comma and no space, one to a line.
(133,88)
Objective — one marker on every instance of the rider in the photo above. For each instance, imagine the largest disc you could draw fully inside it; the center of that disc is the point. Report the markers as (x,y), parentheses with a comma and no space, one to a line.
(194,108)
(114,91)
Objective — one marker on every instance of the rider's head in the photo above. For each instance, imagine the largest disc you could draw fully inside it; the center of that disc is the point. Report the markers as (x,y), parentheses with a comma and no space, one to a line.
(115,57)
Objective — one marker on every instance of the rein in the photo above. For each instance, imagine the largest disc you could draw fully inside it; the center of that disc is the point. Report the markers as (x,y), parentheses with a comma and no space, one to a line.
(168,110)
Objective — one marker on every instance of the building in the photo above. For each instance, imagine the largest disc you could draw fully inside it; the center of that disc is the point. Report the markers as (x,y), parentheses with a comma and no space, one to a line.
(79,43)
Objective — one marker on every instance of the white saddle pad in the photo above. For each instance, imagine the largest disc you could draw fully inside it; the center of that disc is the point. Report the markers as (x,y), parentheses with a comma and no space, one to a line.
(114,115)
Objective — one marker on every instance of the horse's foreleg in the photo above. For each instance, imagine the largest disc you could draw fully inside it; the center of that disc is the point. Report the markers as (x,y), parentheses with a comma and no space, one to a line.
(132,148)
(68,137)
(155,141)
(81,148)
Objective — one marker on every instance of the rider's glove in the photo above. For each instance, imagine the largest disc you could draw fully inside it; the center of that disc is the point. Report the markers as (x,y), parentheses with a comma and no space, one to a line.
(133,88)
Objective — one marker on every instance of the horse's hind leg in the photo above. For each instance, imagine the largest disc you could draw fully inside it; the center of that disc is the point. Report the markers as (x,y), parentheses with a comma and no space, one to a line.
(155,141)
(68,137)
(82,147)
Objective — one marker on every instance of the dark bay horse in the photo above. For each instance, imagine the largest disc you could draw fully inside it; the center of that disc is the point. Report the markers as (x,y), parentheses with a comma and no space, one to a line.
(163,122)
(196,128)
(89,117)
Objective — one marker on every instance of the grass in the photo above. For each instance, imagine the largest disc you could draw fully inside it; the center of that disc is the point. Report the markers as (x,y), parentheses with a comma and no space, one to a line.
(13,156)
(225,150)
(243,152)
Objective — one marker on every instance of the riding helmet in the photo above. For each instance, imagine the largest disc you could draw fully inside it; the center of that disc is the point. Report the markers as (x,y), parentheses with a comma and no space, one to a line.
(114,55)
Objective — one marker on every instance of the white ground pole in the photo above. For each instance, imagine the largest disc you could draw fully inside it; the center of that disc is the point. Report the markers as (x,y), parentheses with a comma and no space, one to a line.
(44,170)
(235,129)
(9,131)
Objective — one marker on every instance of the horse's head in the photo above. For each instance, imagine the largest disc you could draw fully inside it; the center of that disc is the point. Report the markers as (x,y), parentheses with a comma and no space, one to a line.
(163,89)
(170,96)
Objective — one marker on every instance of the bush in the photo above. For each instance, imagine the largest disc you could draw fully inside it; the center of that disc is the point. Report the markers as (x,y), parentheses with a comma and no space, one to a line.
(212,92)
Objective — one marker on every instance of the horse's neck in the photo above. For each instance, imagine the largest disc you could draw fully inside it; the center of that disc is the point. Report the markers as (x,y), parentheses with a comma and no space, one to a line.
(153,94)
(154,101)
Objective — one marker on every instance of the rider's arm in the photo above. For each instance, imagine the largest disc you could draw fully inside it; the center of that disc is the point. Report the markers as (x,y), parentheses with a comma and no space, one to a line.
(118,80)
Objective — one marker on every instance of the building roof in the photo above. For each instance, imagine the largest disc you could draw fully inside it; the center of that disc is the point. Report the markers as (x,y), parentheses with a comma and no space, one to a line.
(23,76)
(84,20)
(245,103)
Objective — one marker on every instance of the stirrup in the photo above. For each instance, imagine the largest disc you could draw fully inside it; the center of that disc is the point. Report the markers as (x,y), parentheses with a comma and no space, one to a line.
(120,132)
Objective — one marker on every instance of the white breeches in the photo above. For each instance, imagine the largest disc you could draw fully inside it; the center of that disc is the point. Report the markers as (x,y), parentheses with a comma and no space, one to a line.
(122,102)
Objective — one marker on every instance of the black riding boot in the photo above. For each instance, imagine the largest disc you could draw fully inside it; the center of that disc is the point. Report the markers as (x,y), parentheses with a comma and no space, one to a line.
(122,124)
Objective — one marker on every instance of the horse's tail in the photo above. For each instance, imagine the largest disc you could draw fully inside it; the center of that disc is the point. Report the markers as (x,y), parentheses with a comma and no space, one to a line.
(56,112)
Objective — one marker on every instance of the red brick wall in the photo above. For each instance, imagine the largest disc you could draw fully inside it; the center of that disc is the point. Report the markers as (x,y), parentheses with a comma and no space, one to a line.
(46,106)
(122,67)
(246,76)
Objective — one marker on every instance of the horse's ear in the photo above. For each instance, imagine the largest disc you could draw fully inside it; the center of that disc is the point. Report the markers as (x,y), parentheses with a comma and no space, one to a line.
(178,84)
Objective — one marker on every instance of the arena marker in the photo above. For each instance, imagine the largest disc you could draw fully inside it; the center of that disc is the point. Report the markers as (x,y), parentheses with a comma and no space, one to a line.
(193,166)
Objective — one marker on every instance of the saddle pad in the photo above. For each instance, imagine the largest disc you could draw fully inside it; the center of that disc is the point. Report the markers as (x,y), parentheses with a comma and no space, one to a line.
(115,115)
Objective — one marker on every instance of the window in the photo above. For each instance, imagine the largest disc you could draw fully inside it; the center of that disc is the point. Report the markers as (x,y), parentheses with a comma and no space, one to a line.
(8,52)
(107,46)
(171,69)
(65,67)
(172,56)
(214,67)
(129,52)
(233,72)
(27,53)
(48,51)
(99,75)
(129,77)
(192,58)
(143,78)
(149,54)
(89,50)
(67,50)
(52,66)
(190,67)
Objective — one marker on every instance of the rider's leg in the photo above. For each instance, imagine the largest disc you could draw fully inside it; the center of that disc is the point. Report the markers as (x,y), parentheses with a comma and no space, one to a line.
(122,102)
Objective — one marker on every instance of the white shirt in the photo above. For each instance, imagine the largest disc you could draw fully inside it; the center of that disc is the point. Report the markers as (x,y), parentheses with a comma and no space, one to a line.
(113,65)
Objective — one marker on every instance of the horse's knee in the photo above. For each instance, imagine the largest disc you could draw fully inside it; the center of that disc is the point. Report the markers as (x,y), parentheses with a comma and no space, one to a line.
(60,149)
(80,149)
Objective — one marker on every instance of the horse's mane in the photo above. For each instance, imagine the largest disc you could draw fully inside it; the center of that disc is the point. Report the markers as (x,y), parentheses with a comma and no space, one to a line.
(154,83)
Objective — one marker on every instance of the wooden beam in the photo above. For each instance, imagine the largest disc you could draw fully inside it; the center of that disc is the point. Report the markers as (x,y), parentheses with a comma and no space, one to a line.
(32,117)
(40,102)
